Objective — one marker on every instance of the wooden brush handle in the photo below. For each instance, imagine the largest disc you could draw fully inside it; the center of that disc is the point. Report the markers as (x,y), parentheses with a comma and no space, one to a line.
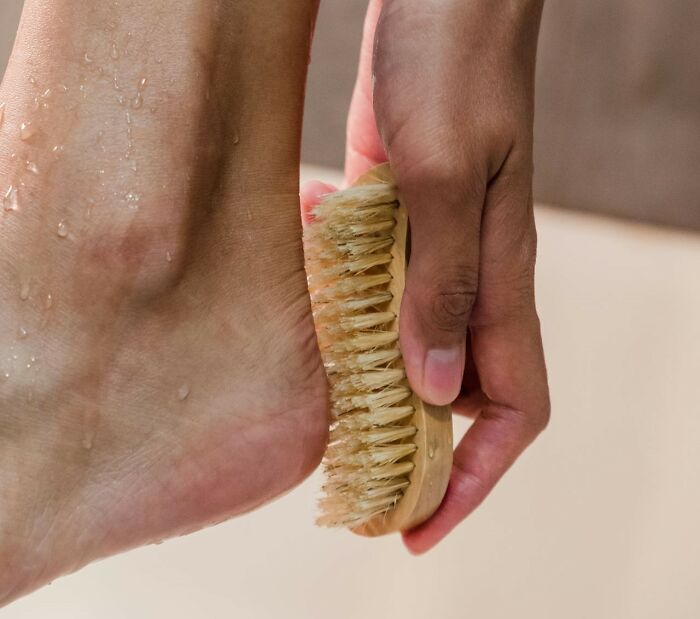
(433,458)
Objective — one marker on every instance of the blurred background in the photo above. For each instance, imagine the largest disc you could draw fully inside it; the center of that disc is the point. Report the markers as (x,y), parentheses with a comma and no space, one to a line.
(600,518)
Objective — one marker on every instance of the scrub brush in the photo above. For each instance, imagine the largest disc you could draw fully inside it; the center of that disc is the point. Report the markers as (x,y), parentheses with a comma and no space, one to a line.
(390,454)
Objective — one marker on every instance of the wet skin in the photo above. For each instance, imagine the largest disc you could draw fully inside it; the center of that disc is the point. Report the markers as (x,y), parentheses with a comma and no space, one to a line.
(156,339)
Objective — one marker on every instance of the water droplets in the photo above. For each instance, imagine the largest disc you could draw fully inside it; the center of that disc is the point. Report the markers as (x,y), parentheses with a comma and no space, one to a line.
(24,288)
(168,256)
(23,334)
(183,393)
(62,229)
(88,59)
(26,131)
(10,200)
(32,167)
(137,100)
(114,52)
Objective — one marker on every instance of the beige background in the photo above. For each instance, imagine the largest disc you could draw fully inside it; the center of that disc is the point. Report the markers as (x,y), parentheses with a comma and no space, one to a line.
(618,104)
(599,519)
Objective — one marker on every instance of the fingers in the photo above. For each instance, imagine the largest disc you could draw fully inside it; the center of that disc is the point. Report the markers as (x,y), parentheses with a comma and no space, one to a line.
(442,280)
(490,447)
(441,161)
(310,195)
(364,148)
(506,345)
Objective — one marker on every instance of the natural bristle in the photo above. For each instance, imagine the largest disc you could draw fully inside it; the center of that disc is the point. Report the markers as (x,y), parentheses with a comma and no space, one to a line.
(348,256)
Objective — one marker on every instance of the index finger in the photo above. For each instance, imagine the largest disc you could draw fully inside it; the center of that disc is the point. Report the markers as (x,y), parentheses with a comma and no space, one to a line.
(364,148)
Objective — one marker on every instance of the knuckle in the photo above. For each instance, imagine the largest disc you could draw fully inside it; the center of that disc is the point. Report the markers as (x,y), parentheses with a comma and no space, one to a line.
(459,179)
(531,423)
(542,417)
(452,304)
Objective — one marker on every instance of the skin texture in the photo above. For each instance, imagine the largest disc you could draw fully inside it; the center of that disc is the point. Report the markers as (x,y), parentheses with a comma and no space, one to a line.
(156,339)
(445,93)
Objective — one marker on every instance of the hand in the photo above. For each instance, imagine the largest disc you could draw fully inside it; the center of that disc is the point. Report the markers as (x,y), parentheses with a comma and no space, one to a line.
(445,93)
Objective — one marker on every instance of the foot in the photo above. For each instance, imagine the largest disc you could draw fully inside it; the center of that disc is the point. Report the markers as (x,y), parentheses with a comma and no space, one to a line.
(158,364)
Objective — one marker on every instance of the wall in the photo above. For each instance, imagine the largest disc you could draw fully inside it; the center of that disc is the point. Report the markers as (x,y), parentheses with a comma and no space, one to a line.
(618,104)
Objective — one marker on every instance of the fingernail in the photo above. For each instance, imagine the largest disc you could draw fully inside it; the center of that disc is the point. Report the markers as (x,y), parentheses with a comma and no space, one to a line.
(442,375)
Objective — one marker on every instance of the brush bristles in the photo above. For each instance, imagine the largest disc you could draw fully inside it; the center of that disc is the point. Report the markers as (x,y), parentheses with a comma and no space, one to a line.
(348,253)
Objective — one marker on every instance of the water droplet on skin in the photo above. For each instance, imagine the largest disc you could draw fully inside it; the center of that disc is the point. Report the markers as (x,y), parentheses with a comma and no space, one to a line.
(32,80)
(87,58)
(121,99)
(132,197)
(46,94)
(87,441)
(183,393)
(168,257)
(48,304)
(137,101)
(10,201)
(142,83)
(63,88)
(431,453)
(23,332)
(114,52)
(26,131)
(62,229)
(58,149)
(24,290)
(32,167)
(236,139)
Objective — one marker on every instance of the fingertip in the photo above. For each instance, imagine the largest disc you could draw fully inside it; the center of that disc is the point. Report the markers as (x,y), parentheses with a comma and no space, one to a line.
(435,372)
(443,369)
(310,194)
(414,543)
(436,375)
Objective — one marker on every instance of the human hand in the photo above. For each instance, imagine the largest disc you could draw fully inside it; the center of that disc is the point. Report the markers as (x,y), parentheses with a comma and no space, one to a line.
(445,93)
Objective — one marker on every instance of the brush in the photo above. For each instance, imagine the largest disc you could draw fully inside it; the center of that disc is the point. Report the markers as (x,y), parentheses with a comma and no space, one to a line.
(390,454)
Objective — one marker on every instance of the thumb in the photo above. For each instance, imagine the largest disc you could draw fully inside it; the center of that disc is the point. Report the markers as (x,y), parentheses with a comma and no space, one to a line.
(442,279)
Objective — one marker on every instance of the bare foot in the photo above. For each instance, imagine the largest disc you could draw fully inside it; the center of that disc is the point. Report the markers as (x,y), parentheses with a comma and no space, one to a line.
(158,364)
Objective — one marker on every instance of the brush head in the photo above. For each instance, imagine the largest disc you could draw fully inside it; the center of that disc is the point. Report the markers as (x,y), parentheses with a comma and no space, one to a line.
(355,258)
